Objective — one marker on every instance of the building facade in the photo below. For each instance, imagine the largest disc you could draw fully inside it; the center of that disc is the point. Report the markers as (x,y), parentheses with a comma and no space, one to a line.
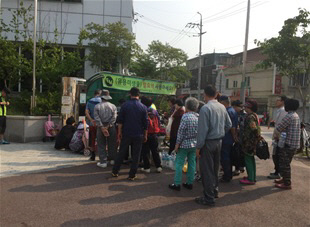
(68,17)
(263,85)
(224,71)
(211,66)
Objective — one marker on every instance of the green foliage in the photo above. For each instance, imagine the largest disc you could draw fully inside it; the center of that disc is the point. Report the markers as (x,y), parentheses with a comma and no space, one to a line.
(48,102)
(20,104)
(109,45)
(290,51)
(162,62)
(163,104)
(52,63)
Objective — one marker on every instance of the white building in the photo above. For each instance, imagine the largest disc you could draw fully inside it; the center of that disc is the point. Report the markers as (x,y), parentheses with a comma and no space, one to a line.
(70,16)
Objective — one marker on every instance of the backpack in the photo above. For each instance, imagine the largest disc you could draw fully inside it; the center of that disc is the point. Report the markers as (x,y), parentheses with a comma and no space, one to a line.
(262,150)
(237,158)
(153,127)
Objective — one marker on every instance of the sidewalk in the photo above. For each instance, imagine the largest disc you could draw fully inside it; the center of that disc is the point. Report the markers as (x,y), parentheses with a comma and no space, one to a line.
(17,158)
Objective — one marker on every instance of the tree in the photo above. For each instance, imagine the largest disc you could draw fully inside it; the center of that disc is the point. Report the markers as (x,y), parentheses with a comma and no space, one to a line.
(290,52)
(52,62)
(162,62)
(110,45)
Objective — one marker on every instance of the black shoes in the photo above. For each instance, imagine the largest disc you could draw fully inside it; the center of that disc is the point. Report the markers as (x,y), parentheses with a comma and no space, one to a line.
(175,187)
(178,187)
(188,186)
(203,201)
(223,180)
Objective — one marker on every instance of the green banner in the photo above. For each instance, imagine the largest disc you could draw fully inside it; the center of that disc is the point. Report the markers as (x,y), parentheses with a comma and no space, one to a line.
(146,86)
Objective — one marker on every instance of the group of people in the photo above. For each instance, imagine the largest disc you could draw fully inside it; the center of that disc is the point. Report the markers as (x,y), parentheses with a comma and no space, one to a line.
(134,125)
(202,133)
(210,136)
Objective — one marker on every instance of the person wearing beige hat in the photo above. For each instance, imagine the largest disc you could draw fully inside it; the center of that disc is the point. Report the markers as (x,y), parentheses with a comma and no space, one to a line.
(105,117)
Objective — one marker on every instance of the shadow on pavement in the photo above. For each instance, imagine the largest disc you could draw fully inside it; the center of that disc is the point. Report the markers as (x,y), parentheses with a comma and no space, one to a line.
(163,215)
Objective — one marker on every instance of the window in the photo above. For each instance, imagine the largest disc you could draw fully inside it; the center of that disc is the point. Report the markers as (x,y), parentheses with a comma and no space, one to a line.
(227,83)
(247,81)
(235,84)
(78,1)
(300,79)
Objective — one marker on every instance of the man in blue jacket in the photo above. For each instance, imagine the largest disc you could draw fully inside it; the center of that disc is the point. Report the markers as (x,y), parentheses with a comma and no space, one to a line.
(132,130)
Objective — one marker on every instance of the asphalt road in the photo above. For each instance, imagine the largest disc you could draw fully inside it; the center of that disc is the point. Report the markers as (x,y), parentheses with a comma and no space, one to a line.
(85,195)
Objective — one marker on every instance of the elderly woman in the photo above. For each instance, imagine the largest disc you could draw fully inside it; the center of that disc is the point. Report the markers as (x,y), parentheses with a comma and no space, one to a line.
(186,145)
(251,135)
(176,119)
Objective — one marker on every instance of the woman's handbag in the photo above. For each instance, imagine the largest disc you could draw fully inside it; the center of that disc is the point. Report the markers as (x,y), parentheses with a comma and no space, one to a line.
(262,149)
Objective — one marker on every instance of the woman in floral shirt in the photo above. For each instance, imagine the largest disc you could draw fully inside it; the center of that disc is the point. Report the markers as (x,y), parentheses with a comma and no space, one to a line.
(186,145)
(251,136)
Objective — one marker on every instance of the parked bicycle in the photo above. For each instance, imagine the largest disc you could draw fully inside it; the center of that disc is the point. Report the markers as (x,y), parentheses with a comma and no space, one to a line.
(305,139)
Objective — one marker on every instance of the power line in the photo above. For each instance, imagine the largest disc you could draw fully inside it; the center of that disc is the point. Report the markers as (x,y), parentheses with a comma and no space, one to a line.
(155,24)
(216,14)
(232,13)
(161,28)
(180,36)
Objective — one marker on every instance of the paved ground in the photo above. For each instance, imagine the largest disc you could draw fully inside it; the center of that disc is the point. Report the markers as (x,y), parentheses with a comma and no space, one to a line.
(85,195)
(20,158)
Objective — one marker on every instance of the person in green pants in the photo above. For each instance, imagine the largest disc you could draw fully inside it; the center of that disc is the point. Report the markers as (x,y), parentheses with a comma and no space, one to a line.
(186,145)
(250,138)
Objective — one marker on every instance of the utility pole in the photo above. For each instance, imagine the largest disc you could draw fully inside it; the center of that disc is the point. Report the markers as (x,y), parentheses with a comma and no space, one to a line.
(245,50)
(200,45)
(199,70)
(33,100)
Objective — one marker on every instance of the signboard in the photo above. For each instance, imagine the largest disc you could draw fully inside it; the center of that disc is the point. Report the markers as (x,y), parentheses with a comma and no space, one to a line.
(185,90)
(65,109)
(278,85)
(82,98)
(66,100)
(147,86)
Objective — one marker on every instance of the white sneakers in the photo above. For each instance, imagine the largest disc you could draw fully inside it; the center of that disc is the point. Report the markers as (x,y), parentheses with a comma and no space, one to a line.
(102,165)
(158,170)
(146,170)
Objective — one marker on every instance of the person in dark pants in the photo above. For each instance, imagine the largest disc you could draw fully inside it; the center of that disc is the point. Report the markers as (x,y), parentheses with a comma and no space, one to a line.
(3,105)
(290,124)
(280,114)
(213,123)
(238,107)
(105,114)
(176,116)
(65,135)
(132,129)
(152,140)
(228,140)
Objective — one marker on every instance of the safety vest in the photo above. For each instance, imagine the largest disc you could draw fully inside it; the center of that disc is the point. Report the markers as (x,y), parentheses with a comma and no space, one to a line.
(2,107)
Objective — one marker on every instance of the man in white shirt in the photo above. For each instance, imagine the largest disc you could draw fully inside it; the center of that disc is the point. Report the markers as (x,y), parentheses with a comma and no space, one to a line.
(278,118)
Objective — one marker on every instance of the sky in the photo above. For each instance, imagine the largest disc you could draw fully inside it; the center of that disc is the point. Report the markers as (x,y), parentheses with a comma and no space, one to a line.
(224,22)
